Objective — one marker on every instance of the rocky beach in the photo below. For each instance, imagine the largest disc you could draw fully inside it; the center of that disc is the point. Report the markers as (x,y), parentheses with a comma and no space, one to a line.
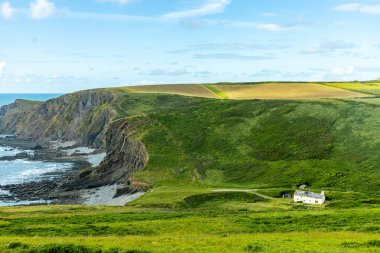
(38,169)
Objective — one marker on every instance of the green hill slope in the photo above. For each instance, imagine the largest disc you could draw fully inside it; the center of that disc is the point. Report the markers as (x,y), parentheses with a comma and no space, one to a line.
(259,143)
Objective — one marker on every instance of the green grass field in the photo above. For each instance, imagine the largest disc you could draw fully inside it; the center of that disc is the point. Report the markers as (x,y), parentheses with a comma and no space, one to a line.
(192,219)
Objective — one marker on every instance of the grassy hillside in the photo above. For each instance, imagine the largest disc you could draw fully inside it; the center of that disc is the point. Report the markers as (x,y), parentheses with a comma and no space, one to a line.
(329,144)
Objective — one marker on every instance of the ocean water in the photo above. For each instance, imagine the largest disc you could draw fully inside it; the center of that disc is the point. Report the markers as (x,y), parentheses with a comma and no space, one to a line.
(21,170)
(9,151)
(18,171)
(10,98)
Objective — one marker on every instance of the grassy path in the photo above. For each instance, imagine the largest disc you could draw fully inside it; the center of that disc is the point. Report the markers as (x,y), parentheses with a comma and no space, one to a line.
(243,190)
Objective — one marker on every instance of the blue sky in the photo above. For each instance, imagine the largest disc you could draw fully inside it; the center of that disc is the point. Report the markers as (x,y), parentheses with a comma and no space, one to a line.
(68,45)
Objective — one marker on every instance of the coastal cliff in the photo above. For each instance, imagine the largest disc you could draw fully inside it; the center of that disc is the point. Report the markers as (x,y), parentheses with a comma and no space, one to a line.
(81,117)
(88,119)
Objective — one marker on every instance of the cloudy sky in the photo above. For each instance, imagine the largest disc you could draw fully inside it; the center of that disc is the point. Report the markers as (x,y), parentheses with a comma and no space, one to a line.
(68,45)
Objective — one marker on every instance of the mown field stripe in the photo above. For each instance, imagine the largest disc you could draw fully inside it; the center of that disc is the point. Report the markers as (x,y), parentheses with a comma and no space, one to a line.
(214,90)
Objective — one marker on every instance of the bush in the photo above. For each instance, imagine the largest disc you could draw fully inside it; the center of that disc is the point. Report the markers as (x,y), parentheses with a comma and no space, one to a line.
(17,245)
(198,200)
(372,243)
(64,248)
(253,248)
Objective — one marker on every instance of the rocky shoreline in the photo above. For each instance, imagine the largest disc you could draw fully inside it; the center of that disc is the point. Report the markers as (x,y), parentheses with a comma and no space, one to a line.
(51,191)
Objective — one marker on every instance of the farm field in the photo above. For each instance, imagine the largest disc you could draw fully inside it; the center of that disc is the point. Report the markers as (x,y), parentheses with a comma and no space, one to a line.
(365,87)
(285,91)
(185,90)
(196,220)
(239,91)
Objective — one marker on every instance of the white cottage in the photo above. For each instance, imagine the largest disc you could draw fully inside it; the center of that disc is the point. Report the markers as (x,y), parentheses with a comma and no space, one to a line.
(309,197)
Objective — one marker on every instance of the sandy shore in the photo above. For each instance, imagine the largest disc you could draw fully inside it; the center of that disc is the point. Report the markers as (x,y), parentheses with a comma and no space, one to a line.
(104,196)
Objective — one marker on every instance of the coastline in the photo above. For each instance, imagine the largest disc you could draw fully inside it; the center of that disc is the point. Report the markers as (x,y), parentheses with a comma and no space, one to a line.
(53,191)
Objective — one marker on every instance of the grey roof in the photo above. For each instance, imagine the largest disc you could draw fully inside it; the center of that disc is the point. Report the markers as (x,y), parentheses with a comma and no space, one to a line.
(309,194)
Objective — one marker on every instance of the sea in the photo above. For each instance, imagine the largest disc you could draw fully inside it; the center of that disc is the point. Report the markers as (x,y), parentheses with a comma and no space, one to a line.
(18,171)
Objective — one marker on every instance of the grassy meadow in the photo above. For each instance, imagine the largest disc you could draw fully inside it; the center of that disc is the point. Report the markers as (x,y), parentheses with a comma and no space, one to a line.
(217,171)
(192,219)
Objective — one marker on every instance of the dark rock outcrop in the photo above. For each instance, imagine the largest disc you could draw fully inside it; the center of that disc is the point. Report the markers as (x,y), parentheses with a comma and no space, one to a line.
(125,156)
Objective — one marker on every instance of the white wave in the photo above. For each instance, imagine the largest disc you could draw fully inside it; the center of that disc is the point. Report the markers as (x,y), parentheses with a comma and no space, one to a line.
(3,136)
(25,203)
(5,192)
(21,171)
(9,151)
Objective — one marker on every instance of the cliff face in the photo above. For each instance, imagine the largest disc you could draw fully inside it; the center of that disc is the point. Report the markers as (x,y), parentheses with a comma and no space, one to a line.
(125,156)
(82,117)
(88,119)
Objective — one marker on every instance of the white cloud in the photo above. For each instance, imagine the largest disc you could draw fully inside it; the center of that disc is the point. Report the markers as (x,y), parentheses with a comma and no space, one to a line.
(6,10)
(329,47)
(371,9)
(208,8)
(343,71)
(260,26)
(2,67)
(368,9)
(40,9)
(269,14)
(116,1)
(348,7)
(270,27)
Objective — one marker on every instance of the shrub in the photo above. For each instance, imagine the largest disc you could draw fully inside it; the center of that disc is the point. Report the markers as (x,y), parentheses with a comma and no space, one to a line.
(64,248)
(17,245)
(198,200)
(253,248)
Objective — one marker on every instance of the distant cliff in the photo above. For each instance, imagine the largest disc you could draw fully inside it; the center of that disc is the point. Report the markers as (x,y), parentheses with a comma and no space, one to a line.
(82,117)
